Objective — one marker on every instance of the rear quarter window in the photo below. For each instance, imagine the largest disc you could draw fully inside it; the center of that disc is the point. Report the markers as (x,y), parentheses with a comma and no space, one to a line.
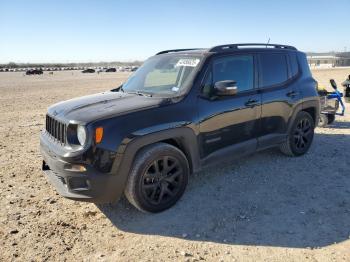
(293,64)
(273,69)
(304,64)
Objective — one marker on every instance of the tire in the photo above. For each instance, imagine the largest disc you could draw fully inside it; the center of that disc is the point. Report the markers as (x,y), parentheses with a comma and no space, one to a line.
(152,187)
(323,120)
(330,118)
(300,135)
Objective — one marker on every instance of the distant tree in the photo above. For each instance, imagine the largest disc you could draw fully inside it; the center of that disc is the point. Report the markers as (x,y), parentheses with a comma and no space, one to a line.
(12,65)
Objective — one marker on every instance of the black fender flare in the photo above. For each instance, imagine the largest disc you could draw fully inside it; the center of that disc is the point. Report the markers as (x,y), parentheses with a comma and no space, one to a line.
(315,104)
(127,151)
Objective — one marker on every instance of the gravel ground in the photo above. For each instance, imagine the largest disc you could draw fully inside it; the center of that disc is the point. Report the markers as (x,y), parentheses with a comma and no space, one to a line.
(263,207)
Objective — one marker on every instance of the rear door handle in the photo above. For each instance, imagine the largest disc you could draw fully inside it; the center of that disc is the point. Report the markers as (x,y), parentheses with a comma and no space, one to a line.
(252,102)
(292,94)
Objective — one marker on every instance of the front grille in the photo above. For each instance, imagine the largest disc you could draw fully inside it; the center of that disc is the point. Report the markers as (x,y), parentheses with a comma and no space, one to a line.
(56,129)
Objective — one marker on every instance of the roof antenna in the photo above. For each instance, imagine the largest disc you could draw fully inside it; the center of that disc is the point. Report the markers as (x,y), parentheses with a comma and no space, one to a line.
(268,42)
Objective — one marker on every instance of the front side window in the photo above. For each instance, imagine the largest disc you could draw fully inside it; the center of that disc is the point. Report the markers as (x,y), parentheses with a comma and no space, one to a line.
(237,68)
(164,75)
(273,69)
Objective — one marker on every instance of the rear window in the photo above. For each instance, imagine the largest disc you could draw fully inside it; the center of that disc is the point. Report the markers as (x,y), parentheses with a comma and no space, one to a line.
(273,69)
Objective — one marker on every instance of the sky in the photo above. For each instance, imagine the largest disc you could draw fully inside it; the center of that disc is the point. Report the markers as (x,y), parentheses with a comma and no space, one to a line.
(102,30)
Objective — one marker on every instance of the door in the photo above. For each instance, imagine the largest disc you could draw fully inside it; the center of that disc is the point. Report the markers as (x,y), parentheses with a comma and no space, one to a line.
(278,94)
(229,122)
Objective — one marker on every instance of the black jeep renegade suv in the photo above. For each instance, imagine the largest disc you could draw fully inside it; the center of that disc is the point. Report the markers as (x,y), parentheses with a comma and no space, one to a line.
(181,110)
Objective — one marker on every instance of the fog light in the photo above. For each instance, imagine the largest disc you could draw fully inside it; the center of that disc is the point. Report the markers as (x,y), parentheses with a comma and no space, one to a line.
(78,184)
(75,168)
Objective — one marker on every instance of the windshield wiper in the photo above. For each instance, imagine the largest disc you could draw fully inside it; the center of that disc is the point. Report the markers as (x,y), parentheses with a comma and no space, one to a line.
(117,89)
(140,93)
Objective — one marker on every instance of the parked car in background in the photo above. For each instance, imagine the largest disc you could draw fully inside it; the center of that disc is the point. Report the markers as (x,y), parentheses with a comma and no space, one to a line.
(34,72)
(89,70)
(110,70)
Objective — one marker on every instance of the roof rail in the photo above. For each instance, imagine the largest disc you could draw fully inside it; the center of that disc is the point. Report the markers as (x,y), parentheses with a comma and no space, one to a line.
(221,48)
(176,50)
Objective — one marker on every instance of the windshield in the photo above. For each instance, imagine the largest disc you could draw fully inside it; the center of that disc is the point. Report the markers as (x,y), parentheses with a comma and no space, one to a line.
(164,75)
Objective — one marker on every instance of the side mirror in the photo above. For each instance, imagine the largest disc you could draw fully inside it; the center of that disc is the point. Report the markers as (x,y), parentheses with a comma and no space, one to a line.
(333,84)
(226,88)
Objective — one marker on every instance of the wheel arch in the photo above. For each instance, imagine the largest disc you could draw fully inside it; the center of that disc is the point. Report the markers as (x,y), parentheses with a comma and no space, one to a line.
(312,111)
(183,147)
(311,107)
(183,138)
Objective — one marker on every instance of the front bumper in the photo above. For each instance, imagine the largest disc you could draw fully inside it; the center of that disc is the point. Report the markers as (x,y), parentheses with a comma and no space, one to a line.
(90,185)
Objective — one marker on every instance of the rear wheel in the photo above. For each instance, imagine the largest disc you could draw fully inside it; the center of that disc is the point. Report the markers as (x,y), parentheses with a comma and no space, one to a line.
(323,120)
(158,178)
(300,136)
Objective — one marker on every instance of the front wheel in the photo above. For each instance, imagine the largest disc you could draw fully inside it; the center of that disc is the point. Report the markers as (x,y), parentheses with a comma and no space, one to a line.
(158,178)
(300,135)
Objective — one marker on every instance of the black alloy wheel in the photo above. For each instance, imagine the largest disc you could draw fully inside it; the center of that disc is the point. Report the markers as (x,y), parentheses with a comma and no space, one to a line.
(300,135)
(303,134)
(162,180)
(158,177)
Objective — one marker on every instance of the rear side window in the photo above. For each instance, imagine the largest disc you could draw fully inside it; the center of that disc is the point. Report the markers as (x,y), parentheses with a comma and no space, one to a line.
(273,69)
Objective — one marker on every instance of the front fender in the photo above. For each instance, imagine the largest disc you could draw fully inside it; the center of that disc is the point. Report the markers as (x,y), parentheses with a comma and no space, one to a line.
(127,151)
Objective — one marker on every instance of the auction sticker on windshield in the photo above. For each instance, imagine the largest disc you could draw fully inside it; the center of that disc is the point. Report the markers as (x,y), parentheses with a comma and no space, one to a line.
(192,62)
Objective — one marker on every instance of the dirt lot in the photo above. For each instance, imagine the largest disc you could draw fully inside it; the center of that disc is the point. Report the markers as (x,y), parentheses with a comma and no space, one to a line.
(263,207)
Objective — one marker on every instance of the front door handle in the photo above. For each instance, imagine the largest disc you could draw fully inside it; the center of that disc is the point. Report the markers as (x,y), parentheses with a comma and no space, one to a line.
(252,103)
(292,94)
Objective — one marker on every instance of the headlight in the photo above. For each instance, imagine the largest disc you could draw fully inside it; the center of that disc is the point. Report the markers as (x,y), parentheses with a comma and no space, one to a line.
(81,134)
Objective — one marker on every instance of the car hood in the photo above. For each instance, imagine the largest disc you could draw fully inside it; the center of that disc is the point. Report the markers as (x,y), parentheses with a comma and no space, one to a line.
(93,107)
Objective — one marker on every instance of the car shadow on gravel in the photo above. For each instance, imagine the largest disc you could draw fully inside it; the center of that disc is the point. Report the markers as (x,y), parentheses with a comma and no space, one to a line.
(339,125)
(265,199)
